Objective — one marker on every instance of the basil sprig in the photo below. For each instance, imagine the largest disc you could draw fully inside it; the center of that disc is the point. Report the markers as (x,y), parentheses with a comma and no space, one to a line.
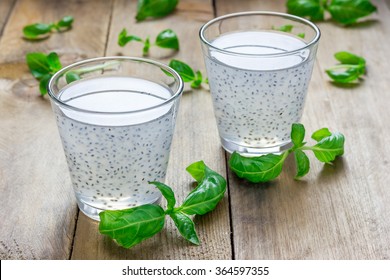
(342,11)
(42,30)
(131,226)
(349,70)
(288,28)
(165,39)
(267,167)
(154,8)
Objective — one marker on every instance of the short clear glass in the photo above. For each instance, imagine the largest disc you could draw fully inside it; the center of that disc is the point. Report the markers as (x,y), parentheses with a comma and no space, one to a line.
(259,65)
(116,119)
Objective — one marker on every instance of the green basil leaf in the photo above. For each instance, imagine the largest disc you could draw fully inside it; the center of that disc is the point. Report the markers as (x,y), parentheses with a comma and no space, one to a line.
(43,82)
(205,197)
(34,31)
(198,80)
(312,9)
(54,62)
(328,148)
(38,64)
(167,39)
(257,169)
(183,69)
(145,50)
(321,134)
(168,193)
(154,8)
(131,226)
(302,162)
(185,226)
(302,35)
(349,58)
(349,11)
(197,170)
(349,75)
(65,23)
(284,28)
(297,135)
(123,38)
(71,77)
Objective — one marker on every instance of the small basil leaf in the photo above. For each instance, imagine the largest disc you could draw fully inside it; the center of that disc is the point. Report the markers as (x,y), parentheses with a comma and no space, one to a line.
(167,39)
(205,197)
(349,75)
(321,134)
(43,82)
(183,69)
(302,162)
(302,35)
(123,38)
(145,50)
(306,8)
(349,11)
(154,8)
(349,58)
(167,192)
(197,170)
(329,147)
(185,226)
(284,28)
(257,169)
(54,62)
(38,64)
(198,80)
(297,135)
(71,77)
(131,226)
(34,31)
(65,23)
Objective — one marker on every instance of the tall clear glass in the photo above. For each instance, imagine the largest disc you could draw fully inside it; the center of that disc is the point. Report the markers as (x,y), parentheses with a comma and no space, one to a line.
(259,65)
(116,119)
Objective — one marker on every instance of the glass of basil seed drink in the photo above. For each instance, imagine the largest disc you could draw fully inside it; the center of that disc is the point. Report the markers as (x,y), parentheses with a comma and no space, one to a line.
(116,118)
(259,66)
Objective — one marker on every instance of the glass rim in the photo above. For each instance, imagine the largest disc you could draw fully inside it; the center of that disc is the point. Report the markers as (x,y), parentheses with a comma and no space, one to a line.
(62,71)
(266,13)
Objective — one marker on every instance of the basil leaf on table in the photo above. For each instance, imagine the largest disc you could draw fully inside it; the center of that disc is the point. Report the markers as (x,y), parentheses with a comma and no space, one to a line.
(349,11)
(185,226)
(167,39)
(168,194)
(313,9)
(154,8)
(302,162)
(328,148)
(36,30)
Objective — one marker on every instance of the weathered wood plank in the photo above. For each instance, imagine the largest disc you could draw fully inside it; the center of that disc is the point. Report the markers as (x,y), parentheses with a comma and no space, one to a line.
(339,211)
(5,8)
(37,201)
(195,139)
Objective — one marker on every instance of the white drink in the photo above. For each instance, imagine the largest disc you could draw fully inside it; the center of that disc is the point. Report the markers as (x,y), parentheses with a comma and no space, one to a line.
(256,98)
(112,157)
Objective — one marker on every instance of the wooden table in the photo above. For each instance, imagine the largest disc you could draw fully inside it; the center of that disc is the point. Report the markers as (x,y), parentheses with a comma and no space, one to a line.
(338,211)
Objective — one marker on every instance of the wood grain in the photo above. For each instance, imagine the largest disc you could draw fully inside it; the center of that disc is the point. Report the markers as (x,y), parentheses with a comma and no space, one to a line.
(195,139)
(38,207)
(339,211)
(5,8)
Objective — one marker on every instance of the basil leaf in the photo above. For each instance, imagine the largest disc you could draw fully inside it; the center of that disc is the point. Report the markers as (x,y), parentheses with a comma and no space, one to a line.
(167,192)
(329,147)
(284,28)
(54,62)
(154,8)
(302,35)
(185,226)
(131,226)
(257,169)
(183,69)
(206,195)
(198,80)
(349,11)
(145,50)
(350,74)
(297,135)
(65,23)
(71,77)
(321,134)
(123,38)
(167,39)
(349,58)
(197,170)
(306,8)
(34,31)
(302,162)
(43,82)
(38,64)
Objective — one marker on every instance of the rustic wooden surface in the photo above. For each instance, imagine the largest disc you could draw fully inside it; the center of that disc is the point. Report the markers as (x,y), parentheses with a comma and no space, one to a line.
(337,211)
